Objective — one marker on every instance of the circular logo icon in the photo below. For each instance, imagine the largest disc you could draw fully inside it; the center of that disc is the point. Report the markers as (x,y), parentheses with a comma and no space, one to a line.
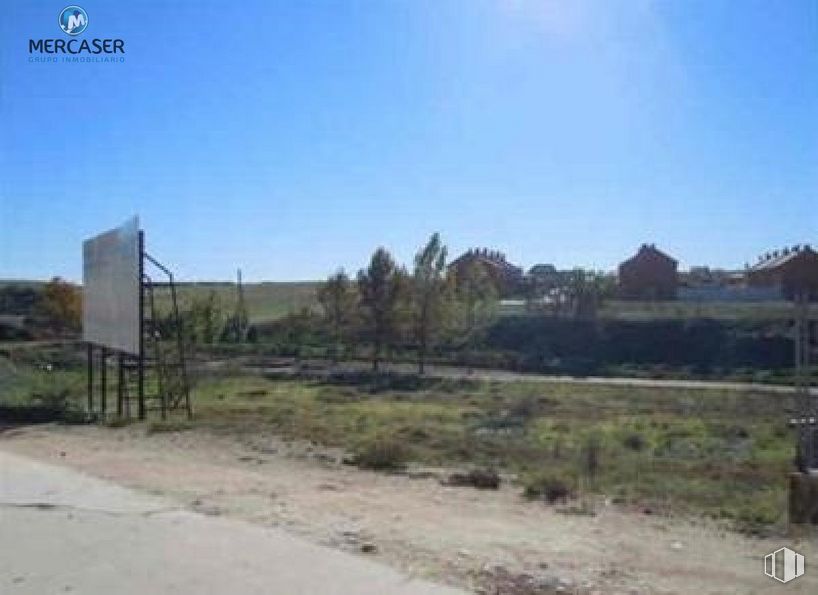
(73,20)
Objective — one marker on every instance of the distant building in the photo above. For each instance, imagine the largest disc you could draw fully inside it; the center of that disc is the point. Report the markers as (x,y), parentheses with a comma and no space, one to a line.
(650,275)
(507,277)
(787,271)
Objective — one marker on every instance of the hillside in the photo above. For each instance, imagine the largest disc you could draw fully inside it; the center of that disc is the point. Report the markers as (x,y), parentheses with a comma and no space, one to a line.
(265,301)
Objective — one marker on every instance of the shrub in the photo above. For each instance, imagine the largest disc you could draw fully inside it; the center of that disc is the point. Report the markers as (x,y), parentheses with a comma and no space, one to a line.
(634,441)
(482,479)
(549,487)
(382,454)
(590,456)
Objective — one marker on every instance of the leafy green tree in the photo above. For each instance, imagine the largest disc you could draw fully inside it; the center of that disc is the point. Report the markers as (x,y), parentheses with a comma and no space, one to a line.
(379,289)
(477,297)
(429,296)
(586,291)
(61,305)
(206,318)
(337,298)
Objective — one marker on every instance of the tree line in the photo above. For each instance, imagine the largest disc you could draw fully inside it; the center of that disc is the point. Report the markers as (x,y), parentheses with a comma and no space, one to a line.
(387,304)
(55,306)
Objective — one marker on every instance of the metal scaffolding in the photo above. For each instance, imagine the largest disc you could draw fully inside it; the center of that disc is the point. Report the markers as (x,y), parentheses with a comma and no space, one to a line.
(156,377)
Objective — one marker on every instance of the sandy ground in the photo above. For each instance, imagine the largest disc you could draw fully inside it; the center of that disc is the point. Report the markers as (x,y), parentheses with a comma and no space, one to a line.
(63,531)
(488,541)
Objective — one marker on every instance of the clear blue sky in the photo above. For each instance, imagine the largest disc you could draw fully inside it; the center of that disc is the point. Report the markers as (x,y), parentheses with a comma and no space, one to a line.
(290,138)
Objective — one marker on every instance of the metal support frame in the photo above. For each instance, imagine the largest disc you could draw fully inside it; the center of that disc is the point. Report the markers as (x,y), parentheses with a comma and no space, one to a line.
(141,359)
(103,380)
(120,382)
(127,364)
(90,372)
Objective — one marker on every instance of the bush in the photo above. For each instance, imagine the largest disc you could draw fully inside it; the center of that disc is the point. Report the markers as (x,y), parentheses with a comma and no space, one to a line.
(57,399)
(58,404)
(482,479)
(634,442)
(591,452)
(549,487)
(382,454)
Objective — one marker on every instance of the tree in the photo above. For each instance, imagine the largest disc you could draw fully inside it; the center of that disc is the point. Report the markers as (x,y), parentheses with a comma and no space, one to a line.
(477,298)
(428,295)
(379,288)
(586,291)
(337,297)
(205,318)
(61,305)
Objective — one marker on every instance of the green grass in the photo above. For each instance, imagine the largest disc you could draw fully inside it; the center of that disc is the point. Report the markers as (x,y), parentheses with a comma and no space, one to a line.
(264,301)
(716,453)
(21,383)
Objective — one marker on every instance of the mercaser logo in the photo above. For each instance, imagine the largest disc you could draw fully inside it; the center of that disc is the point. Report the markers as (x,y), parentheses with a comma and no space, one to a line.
(784,565)
(73,20)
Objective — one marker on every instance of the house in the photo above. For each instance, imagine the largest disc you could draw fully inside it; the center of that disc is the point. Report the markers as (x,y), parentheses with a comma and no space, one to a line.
(650,274)
(507,277)
(787,271)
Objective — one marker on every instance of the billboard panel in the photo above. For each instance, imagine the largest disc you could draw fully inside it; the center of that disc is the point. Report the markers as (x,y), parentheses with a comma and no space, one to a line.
(111,286)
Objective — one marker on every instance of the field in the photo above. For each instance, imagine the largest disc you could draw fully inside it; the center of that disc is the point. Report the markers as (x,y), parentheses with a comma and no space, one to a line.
(721,454)
(264,301)
(271,300)
(353,460)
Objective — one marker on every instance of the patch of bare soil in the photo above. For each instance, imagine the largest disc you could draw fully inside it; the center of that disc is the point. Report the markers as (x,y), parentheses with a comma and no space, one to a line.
(491,541)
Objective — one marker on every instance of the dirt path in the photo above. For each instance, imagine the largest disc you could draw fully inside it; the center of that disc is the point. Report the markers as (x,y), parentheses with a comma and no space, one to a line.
(477,539)
(319,368)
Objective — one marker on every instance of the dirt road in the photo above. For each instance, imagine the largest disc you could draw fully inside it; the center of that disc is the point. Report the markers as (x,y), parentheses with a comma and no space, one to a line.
(285,366)
(489,540)
(62,531)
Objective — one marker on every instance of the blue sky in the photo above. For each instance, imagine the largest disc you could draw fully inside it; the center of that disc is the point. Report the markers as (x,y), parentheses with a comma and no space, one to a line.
(290,138)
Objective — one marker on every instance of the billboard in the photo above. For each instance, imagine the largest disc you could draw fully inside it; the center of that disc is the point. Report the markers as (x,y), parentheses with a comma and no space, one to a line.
(111,287)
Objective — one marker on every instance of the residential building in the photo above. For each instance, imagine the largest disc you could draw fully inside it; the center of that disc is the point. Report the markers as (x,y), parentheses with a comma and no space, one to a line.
(507,277)
(649,275)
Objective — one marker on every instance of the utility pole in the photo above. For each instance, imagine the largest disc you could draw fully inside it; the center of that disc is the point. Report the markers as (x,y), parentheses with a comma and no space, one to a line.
(241,309)
(804,480)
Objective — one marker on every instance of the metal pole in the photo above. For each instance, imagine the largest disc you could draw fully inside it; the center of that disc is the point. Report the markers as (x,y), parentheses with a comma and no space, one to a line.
(90,360)
(103,379)
(119,383)
(180,345)
(141,357)
(806,414)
